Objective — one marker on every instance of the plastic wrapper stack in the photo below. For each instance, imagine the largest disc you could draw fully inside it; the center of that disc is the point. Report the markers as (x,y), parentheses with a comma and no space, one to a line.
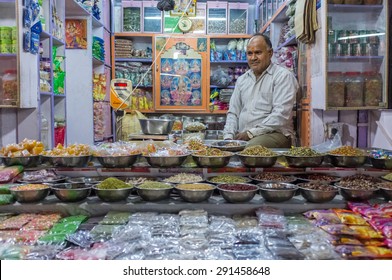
(363,232)
(99,86)
(120,148)
(286,57)
(102,120)
(98,48)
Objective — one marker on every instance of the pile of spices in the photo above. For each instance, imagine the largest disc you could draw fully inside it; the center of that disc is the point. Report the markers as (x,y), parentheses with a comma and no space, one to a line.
(184,178)
(347,151)
(238,187)
(154,185)
(302,152)
(198,187)
(212,152)
(258,150)
(228,179)
(112,183)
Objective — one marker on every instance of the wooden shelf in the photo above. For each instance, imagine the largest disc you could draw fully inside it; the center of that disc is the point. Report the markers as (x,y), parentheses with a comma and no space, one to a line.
(11,55)
(355,58)
(97,62)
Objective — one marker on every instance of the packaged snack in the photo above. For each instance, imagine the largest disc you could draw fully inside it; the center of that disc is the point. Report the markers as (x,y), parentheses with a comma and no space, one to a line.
(354,252)
(338,229)
(365,232)
(349,218)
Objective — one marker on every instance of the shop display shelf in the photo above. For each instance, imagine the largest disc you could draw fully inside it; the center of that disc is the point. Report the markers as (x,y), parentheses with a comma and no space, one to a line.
(290,41)
(344,8)
(134,59)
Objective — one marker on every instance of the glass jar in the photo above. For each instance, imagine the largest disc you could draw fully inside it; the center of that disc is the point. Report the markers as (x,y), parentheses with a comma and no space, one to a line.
(220,123)
(372,88)
(354,89)
(211,122)
(336,89)
(10,87)
(177,126)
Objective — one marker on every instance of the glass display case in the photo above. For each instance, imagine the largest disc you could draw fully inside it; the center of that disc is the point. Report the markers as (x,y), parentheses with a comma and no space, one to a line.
(216,17)
(238,18)
(356,56)
(181,71)
(131,16)
(152,17)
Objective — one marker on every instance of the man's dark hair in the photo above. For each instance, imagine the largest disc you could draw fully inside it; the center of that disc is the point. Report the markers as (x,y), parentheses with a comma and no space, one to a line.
(266,39)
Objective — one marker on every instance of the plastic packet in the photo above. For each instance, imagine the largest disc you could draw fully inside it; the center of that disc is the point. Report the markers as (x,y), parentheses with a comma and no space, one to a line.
(338,229)
(220,224)
(271,217)
(323,216)
(349,218)
(216,253)
(365,232)
(42,222)
(6,199)
(356,206)
(286,253)
(76,253)
(245,221)
(43,252)
(10,251)
(115,218)
(251,252)
(143,217)
(354,252)
(16,222)
(81,238)
(131,233)
(103,232)
(232,45)
(343,240)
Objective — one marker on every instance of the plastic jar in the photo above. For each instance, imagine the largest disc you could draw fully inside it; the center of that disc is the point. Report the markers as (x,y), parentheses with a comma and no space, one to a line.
(372,88)
(9,87)
(336,89)
(354,89)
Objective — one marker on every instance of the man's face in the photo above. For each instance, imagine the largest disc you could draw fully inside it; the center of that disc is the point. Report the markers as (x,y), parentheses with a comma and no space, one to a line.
(258,54)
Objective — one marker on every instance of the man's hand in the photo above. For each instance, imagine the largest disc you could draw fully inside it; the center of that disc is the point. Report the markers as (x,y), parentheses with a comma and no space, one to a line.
(242,136)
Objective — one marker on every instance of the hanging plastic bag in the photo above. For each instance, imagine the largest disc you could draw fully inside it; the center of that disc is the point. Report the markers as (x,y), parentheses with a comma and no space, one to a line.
(329,145)
(129,124)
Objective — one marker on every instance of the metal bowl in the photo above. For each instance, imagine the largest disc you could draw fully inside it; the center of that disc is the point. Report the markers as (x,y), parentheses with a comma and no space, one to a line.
(156,126)
(239,196)
(166,161)
(318,195)
(117,161)
(229,145)
(277,192)
(386,189)
(347,161)
(71,192)
(257,161)
(304,161)
(29,196)
(212,161)
(112,195)
(27,161)
(381,163)
(154,194)
(67,161)
(195,195)
(351,194)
